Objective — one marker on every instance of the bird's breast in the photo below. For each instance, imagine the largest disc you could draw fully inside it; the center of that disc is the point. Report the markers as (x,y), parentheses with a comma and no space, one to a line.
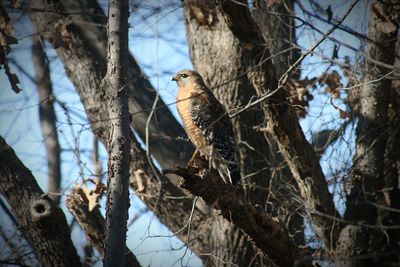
(193,132)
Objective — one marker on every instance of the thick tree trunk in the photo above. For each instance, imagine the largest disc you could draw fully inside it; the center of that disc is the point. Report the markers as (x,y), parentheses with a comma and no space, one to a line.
(114,87)
(42,222)
(47,118)
(391,184)
(360,245)
(278,29)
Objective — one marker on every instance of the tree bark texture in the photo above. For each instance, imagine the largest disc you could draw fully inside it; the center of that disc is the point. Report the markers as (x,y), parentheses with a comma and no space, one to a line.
(83,56)
(278,29)
(371,187)
(42,222)
(282,122)
(93,224)
(114,86)
(47,118)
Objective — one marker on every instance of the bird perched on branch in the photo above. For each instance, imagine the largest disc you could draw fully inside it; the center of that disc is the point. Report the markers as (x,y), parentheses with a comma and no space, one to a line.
(207,124)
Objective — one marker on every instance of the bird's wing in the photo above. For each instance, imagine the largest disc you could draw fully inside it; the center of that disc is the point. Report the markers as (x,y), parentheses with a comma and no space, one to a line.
(212,119)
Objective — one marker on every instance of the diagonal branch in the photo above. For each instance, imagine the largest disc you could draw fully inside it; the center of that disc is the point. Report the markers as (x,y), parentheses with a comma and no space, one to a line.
(266,233)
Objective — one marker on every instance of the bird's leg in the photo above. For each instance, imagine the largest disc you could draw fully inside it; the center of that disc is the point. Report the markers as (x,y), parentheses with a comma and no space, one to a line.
(194,156)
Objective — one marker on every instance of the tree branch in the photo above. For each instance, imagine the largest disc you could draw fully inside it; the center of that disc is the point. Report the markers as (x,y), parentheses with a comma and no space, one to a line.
(266,233)
(42,222)
(47,118)
(93,224)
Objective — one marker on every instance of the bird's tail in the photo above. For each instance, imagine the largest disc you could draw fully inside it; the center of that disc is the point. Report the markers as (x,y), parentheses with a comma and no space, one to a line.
(228,170)
(234,173)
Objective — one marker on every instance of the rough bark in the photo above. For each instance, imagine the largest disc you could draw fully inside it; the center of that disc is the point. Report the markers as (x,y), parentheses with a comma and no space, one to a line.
(268,235)
(84,60)
(114,87)
(47,118)
(97,168)
(82,47)
(93,224)
(223,71)
(43,223)
(391,174)
(282,122)
(360,245)
(278,29)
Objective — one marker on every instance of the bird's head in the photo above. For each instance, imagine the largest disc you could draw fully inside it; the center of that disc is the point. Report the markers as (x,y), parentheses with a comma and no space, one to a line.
(188,77)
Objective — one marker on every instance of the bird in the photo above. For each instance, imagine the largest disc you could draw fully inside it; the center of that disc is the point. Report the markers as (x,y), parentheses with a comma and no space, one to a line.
(207,124)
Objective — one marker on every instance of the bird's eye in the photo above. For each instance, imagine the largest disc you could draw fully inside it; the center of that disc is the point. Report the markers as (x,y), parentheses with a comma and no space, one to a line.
(183,75)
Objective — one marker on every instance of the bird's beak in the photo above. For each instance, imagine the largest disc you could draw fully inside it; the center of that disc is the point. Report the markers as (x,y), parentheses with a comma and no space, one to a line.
(175,78)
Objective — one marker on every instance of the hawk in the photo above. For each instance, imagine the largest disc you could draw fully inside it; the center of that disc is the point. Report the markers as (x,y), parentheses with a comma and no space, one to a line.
(207,124)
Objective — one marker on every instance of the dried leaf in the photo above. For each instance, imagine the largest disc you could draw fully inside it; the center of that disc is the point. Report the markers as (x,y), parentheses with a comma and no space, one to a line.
(271,3)
(332,83)
(15,3)
(336,94)
(141,182)
(329,13)
(12,78)
(61,37)
(5,41)
(93,195)
(299,95)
